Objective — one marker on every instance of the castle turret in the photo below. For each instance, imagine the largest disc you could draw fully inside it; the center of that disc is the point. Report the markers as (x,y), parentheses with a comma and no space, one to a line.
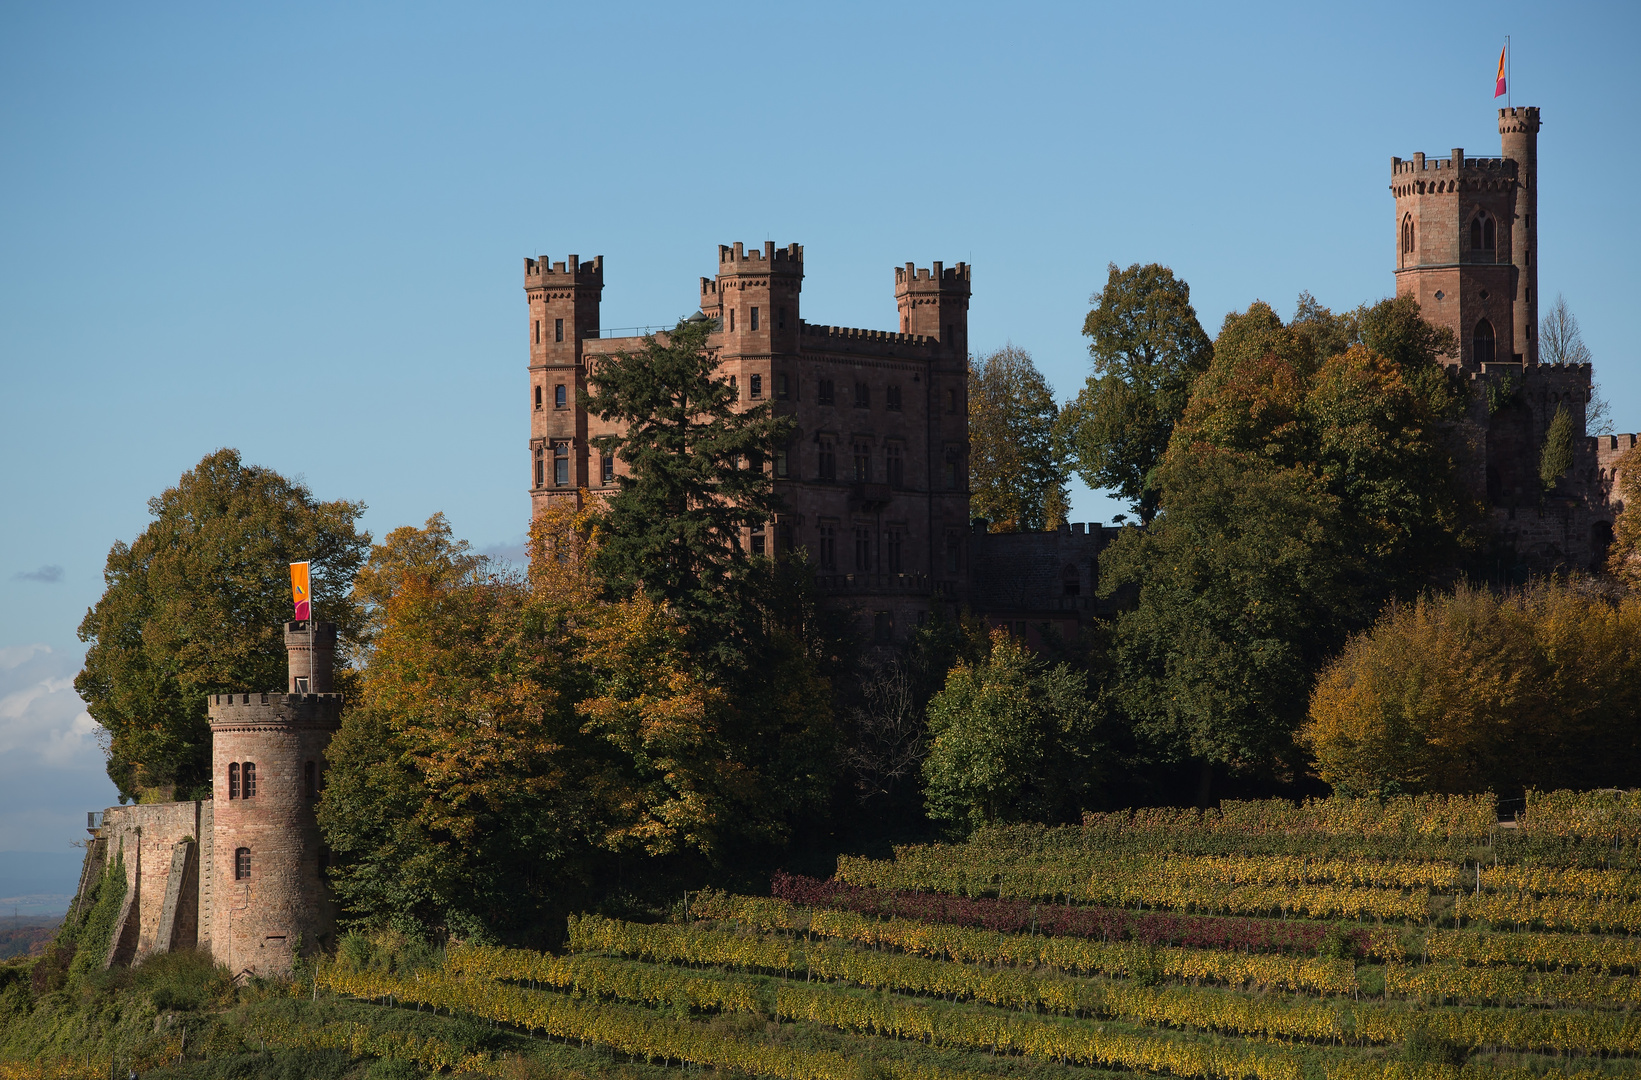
(935,303)
(757,295)
(563,300)
(269,896)
(1518,138)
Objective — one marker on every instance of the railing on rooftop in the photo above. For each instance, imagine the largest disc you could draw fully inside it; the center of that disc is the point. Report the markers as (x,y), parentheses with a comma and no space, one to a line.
(627,331)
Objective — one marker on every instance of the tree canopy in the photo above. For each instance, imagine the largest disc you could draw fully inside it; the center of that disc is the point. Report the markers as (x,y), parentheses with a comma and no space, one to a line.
(697,475)
(1147,348)
(195,605)
(1017,475)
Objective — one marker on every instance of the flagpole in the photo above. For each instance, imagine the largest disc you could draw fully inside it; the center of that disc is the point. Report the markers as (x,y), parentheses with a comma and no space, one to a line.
(1509,80)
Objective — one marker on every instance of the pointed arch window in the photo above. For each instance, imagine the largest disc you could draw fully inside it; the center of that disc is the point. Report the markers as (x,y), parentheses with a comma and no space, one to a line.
(1407,234)
(1481,343)
(1483,233)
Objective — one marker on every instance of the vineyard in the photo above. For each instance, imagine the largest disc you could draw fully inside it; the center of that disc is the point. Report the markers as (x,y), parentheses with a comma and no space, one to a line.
(1415,939)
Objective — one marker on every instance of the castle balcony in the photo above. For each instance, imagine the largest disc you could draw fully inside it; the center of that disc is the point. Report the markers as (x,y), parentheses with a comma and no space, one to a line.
(879,584)
(869,497)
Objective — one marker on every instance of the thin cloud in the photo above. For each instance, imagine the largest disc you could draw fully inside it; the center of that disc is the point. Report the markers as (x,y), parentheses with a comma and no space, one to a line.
(51,575)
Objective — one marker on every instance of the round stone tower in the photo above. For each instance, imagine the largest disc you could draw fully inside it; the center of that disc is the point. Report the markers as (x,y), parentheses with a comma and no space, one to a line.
(1518,138)
(268,896)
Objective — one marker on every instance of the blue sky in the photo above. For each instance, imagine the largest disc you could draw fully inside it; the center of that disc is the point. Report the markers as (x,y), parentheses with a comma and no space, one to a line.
(299,230)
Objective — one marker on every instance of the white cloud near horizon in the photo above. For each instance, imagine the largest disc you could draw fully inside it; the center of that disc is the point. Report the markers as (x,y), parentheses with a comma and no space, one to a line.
(51,757)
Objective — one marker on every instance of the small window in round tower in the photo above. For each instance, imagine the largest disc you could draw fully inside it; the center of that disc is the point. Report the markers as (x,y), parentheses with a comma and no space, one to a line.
(247,773)
(242,864)
(310,779)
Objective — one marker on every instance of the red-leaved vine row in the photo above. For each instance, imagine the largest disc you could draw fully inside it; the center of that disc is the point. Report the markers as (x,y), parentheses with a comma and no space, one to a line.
(1013,916)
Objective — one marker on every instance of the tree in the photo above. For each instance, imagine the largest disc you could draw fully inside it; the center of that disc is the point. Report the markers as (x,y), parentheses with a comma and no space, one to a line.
(1010,739)
(1016,467)
(1561,341)
(1556,458)
(196,606)
(695,479)
(1470,691)
(1246,584)
(1147,349)
(456,794)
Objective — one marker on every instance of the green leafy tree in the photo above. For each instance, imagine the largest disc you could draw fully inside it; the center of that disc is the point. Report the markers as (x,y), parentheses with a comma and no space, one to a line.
(1245,585)
(1010,739)
(1147,348)
(1556,459)
(1017,474)
(696,477)
(196,605)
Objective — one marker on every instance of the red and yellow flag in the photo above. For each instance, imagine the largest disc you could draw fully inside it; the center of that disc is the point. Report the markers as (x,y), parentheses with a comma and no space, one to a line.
(300,593)
(1498,87)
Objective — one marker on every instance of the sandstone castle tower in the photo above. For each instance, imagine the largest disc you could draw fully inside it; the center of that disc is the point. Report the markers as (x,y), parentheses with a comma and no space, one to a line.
(241,874)
(1467,250)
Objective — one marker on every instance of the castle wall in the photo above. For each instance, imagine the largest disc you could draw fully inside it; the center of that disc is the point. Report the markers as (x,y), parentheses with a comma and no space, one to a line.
(149,836)
(1025,581)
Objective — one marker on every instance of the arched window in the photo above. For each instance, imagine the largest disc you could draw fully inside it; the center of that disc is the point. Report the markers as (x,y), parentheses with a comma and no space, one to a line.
(1481,343)
(1475,234)
(1407,234)
(1483,233)
(242,864)
(1489,235)
(247,773)
(233,780)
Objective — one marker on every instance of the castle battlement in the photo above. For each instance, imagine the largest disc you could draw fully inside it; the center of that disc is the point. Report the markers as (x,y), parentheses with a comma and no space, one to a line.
(958,277)
(538,273)
(1520,119)
(265,710)
(737,253)
(854,334)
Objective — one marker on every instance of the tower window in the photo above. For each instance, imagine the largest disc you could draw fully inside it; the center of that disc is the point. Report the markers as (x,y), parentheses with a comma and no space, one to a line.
(561,464)
(951,554)
(1072,583)
(732,318)
(905,324)
(829,547)
(538,397)
(541,476)
(863,551)
(1481,343)
(1489,235)
(951,334)
(1407,234)
(242,864)
(606,468)
(754,318)
(247,776)
(781,391)
(828,461)
(781,464)
(891,398)
(558,329)
(780,318)
(233,780)
(951,470)
(827,392)
(538,331)
(863,463)
(758,538)
(951,402)
(310,779)
(895,466)
(896,539)
(561,397)
(757,381)
(863,396)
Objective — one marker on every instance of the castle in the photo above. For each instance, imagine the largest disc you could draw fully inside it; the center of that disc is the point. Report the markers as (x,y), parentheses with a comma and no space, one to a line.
(875,484)
(242,874)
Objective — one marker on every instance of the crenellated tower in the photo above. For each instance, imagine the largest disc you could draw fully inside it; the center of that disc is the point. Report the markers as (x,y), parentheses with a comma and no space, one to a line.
(563,304)
(754,299)
(935,303)
(269,896)
(1518,135)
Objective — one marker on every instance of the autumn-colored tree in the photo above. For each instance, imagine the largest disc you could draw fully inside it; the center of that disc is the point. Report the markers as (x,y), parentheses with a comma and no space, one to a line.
(456,791)
(1147,348)
(1010,739)
(1472,691)
(196,606)
(1017,475)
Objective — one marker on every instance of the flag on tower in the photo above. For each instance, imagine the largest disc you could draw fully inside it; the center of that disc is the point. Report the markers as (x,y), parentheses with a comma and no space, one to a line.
(1498,87)
(300,594)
